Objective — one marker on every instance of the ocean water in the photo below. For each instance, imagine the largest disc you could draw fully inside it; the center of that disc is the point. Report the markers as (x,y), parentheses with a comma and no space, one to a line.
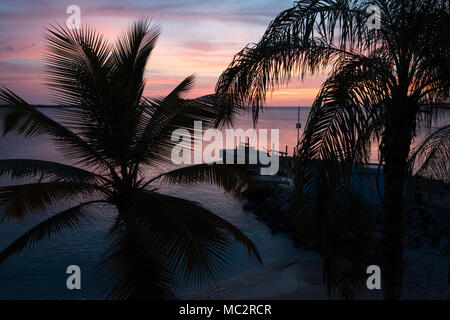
(284,119)
(40,271)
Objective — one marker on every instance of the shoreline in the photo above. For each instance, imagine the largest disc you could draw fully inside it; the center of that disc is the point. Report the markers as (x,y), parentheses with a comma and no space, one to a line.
(426,241)
(301,280)
(310,275)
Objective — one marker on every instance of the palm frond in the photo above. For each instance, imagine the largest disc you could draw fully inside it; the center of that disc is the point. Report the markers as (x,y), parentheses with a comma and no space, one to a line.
(195,240)
(21,118)
(83,74)
(27,199)
(131,53)
(432,156)
(137,269)
(343,120)
(77,63)
(64,221)
(300,40)
(164,116)
(31,168)
(346,115)
(232,178)
(157,114)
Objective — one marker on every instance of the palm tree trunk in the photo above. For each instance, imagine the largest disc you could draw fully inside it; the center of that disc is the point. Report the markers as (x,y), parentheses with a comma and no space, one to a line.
(397,137)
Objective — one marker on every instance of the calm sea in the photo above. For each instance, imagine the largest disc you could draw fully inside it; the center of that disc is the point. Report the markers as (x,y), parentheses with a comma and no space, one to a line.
(40,272)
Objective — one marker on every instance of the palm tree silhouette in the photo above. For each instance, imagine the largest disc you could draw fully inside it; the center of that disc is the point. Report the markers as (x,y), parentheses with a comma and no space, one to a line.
(112,134)
(382,84)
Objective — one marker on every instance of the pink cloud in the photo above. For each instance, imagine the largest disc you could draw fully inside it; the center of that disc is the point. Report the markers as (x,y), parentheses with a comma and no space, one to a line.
(198,37)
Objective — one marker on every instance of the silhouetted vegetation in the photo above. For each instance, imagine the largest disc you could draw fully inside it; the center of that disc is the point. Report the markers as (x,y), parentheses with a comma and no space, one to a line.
(113,135)
(382,83)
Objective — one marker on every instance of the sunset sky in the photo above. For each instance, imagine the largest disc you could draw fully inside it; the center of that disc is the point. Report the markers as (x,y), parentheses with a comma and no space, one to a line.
(198,37)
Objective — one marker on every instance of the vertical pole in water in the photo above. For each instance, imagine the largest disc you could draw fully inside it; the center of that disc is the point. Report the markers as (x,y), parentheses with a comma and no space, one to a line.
(298,126)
